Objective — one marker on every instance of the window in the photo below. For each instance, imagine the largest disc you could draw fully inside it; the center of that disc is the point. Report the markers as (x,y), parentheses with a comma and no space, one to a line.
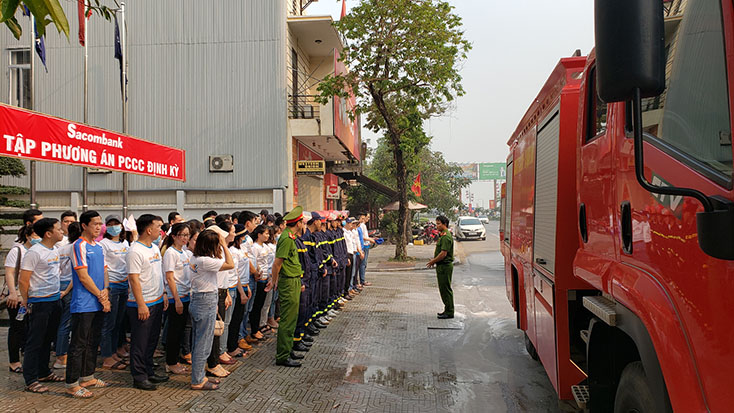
(20,78)
(690,120)
(596,123)
(470,221)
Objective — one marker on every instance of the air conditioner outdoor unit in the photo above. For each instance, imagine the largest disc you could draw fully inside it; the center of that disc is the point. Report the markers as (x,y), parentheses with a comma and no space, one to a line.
(221,163)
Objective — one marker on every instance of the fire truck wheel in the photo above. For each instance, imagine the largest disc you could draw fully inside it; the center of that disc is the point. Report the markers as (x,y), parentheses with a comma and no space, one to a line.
(633,392)
(530,348)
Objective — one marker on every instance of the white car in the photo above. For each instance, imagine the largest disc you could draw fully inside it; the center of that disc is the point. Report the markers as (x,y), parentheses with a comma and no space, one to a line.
(469,228)
(484,219)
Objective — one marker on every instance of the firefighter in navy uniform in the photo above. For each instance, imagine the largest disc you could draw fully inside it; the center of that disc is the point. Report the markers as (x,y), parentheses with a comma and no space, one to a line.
(328,263)
(316,273)
(287,272)
(299,344)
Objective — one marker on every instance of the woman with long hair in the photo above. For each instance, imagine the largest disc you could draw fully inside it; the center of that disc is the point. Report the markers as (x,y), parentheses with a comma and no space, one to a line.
(267,317)
(260,252)
(210,257)
(227,282)
(178,286)
(234,348)
(16,333)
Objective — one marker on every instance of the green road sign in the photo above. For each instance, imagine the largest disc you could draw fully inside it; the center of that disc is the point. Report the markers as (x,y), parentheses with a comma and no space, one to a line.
(490,171)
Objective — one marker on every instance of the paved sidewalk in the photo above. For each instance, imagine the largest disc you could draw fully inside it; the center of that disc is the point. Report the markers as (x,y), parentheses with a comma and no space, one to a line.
(379,259)
(373,357)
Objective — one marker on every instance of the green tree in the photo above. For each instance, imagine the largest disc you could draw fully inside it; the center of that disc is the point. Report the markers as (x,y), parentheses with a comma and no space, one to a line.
(403,57)
(45,12)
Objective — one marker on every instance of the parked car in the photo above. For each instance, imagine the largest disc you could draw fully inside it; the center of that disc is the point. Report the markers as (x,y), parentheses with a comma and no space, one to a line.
(469,228)
(484,219)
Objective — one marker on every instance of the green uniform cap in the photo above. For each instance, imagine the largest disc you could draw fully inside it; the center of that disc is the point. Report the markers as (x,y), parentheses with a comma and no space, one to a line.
(295,215)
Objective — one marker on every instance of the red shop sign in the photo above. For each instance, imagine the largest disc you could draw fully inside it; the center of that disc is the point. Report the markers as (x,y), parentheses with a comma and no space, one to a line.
(31,135)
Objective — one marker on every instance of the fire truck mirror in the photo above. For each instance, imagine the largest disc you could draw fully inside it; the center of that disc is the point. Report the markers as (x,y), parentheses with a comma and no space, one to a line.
(630,48)
(716,229)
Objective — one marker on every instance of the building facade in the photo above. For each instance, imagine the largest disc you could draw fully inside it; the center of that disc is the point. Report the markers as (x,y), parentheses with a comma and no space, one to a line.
(227,83)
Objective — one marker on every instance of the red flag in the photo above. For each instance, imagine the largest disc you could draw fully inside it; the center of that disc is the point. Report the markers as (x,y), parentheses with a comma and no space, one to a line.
(344,8)
(416,187)
(81,5)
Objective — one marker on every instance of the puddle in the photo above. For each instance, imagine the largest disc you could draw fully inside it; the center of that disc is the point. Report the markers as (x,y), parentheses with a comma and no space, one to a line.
(388,377)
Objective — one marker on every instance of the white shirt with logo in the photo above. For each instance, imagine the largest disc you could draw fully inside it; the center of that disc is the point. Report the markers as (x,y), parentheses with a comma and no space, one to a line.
(146,261)
(204,272)
(43,262)
(176,261)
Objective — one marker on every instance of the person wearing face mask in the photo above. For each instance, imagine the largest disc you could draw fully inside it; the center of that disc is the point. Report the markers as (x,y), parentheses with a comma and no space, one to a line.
(115,248)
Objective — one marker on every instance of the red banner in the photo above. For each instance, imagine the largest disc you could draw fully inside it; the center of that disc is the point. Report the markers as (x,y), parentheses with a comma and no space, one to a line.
(32,135)
(346,129)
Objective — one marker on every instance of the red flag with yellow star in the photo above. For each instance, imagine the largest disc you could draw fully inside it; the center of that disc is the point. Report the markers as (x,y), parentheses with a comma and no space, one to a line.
(416,187)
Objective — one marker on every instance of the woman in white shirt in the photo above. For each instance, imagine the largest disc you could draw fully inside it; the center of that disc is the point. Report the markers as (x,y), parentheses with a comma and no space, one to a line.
(227,282)
(115,248)
(234,348)
(16,333)
(210,256)
(267,316)
(260,252)
(178,285)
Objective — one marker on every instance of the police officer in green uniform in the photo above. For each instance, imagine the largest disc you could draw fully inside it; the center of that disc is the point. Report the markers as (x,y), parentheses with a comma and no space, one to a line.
(287,272)
(444,262)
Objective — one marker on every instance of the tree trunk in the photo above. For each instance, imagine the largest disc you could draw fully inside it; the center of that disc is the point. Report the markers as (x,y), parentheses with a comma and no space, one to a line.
(403,212)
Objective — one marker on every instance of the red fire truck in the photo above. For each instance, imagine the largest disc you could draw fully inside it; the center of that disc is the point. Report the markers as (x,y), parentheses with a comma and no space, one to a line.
(618,212)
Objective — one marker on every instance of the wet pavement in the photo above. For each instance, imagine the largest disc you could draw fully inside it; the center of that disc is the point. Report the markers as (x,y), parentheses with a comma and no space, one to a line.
(386,352)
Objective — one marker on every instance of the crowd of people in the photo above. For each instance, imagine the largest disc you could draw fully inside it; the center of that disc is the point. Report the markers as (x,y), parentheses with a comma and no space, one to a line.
(205,292)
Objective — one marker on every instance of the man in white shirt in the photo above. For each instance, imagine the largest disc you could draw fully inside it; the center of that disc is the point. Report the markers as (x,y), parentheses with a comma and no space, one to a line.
(146,301)
(39,284)
(363,220)
(67,218)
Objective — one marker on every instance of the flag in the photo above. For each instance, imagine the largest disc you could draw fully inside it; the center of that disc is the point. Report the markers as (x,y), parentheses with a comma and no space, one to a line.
(416,187)
(82,20)
(118,55)
(40,47)
(344,8)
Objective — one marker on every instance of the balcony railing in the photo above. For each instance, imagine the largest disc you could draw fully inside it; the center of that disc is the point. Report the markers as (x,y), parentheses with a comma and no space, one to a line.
(303,107)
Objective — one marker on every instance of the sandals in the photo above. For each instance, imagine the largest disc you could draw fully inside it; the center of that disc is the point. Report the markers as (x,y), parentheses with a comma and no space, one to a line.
(119,365)
(177,369)
(218,371)
(266,329)
(82,393)
(36,387)
(207,385)
(18,369)
(98,384)
(51,378)
(186,358)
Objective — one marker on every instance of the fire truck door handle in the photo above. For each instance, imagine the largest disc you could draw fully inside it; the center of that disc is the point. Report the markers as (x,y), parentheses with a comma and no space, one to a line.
(582,223)
(626,227)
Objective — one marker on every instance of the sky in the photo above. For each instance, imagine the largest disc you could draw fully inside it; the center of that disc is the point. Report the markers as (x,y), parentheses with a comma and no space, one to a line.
(516,45)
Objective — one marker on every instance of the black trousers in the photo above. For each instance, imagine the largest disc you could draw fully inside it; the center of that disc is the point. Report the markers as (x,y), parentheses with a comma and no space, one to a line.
(16,335)
(213,359)
(257,307)
(43,323)
(86,333)
(234,326)
(325,288)
(143,341)
(176,332)
(333,293)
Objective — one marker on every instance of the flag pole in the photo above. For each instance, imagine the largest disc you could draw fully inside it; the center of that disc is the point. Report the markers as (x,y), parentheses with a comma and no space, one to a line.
(32,102)
(123,46)
(85,170)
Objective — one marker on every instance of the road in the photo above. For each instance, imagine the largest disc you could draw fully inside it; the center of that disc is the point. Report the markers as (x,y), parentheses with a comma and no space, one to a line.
(385,352)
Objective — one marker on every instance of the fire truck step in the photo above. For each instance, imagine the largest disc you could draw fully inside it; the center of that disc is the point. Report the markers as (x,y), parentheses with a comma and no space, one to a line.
(581,395)
(585,336)
(602,307)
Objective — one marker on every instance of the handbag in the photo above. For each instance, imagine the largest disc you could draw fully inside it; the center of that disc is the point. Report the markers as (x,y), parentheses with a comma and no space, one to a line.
(6,290)
(218,326)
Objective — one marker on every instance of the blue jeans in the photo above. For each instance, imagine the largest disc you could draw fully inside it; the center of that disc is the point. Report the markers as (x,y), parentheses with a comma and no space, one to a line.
(112,327)
(363,265)
(63,336)
(271,313)
(203,311)
(356,263)
(227,318)
(248,308)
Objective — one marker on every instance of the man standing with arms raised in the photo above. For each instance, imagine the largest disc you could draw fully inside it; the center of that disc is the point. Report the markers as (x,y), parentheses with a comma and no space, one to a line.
(287,274)
(146,302)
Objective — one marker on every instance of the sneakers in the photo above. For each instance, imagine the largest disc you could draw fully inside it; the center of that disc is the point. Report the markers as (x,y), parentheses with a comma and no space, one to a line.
(332,313)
